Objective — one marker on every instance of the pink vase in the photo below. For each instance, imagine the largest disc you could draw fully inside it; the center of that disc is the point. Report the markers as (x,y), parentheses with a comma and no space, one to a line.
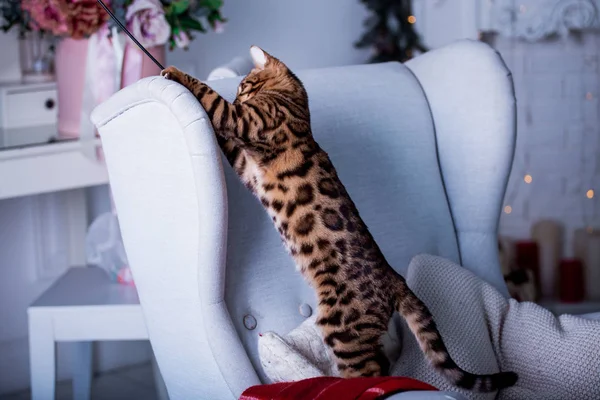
(137,65)
(70,62)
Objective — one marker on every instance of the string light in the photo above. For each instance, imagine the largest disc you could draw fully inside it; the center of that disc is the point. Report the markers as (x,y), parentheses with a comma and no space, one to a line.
(589,96)
(590,194)
(527,178)
(412,19)
(513,186)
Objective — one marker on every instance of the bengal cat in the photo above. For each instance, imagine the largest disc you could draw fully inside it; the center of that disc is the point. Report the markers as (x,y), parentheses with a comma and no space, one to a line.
(266,136)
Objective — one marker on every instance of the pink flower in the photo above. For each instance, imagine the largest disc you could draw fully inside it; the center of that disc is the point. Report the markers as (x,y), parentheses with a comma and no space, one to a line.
(146,21)
(75,18)
(48,15)
(182,40)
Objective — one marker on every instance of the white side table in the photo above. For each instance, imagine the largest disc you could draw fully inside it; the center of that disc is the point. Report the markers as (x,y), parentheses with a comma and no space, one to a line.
(82,306)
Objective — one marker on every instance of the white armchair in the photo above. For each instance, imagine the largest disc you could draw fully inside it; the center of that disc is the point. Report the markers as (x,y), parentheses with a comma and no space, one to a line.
(209,267)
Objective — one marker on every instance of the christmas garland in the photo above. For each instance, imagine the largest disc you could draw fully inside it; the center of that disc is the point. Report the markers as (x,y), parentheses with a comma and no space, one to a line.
(390,31)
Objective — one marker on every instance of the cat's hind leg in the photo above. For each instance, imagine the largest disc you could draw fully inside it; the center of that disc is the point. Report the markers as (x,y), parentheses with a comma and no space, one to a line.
(357,361)
(357,352)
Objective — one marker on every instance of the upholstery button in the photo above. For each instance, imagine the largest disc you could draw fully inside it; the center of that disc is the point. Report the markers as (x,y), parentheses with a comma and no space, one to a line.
(305,310)
(249,322)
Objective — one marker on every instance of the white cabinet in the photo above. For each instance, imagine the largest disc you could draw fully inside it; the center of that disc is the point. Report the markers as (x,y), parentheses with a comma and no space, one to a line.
(27,105)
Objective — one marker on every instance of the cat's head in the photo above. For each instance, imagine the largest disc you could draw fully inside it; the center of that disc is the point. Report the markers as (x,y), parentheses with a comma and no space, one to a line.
(269,73)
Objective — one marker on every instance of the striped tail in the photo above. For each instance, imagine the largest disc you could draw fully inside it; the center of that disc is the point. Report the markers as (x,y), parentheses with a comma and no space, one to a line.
(422,325)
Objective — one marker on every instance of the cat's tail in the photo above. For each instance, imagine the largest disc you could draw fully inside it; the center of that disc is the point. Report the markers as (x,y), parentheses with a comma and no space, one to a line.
(422,325)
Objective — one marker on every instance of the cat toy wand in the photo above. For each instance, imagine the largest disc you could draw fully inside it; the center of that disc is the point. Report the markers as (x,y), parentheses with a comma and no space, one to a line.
(130,35)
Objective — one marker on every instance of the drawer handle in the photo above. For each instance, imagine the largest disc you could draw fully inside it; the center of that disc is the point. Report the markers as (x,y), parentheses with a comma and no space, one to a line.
(49,104)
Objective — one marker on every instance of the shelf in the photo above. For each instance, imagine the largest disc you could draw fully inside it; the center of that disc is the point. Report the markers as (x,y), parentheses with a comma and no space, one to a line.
(84,304)
(87,287)
(30,165)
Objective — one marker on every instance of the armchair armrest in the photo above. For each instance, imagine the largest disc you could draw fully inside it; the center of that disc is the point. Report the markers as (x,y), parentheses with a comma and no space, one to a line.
(471,95)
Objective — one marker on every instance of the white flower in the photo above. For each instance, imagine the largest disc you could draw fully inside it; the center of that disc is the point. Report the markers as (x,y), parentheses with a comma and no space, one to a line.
(182,40)
(146,21)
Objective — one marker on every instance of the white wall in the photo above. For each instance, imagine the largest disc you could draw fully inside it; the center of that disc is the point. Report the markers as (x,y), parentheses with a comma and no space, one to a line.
(557,84)
(441,22)
(305,34)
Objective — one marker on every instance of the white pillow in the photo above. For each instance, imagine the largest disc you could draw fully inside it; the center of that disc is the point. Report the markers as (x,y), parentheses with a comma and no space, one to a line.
(302,354)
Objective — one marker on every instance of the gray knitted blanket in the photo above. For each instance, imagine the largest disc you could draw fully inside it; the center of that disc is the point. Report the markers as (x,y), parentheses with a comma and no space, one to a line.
(556,358)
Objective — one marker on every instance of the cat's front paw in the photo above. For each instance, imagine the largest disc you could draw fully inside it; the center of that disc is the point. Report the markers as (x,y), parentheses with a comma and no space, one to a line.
(172,74)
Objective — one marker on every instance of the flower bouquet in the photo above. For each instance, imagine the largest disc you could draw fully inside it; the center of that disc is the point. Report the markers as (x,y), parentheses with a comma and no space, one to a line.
(153,22)
(76,19)
(93,55)
(157,22)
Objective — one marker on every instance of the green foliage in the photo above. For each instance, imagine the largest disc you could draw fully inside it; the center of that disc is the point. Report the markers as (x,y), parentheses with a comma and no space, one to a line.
(11,15)
(390,31)
(211,4)
(186,16)
(177,7)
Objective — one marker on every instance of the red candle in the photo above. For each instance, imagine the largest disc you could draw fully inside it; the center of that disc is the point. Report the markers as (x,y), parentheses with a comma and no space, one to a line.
(571,284)
(527,257)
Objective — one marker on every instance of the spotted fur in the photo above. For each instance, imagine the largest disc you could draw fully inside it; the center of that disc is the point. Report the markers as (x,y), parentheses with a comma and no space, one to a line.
(266,136)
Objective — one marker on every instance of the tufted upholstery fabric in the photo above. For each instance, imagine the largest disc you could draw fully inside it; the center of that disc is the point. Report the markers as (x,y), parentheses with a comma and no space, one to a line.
(210,269)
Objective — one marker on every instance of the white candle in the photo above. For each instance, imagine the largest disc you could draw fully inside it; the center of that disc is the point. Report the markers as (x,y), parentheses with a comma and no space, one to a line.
(592,267)
(548,235)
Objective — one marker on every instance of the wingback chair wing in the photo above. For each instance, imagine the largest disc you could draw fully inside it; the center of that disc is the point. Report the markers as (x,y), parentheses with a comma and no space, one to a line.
(424,150)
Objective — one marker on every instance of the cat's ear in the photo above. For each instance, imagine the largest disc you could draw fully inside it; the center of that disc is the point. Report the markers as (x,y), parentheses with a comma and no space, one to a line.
(259,57)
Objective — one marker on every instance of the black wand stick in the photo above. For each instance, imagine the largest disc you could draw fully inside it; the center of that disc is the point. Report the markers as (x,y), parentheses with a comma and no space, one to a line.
(130,35)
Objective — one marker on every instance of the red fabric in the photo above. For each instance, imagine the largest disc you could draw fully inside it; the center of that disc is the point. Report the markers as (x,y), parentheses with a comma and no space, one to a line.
(328,388)
(572,286)
(528,257)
